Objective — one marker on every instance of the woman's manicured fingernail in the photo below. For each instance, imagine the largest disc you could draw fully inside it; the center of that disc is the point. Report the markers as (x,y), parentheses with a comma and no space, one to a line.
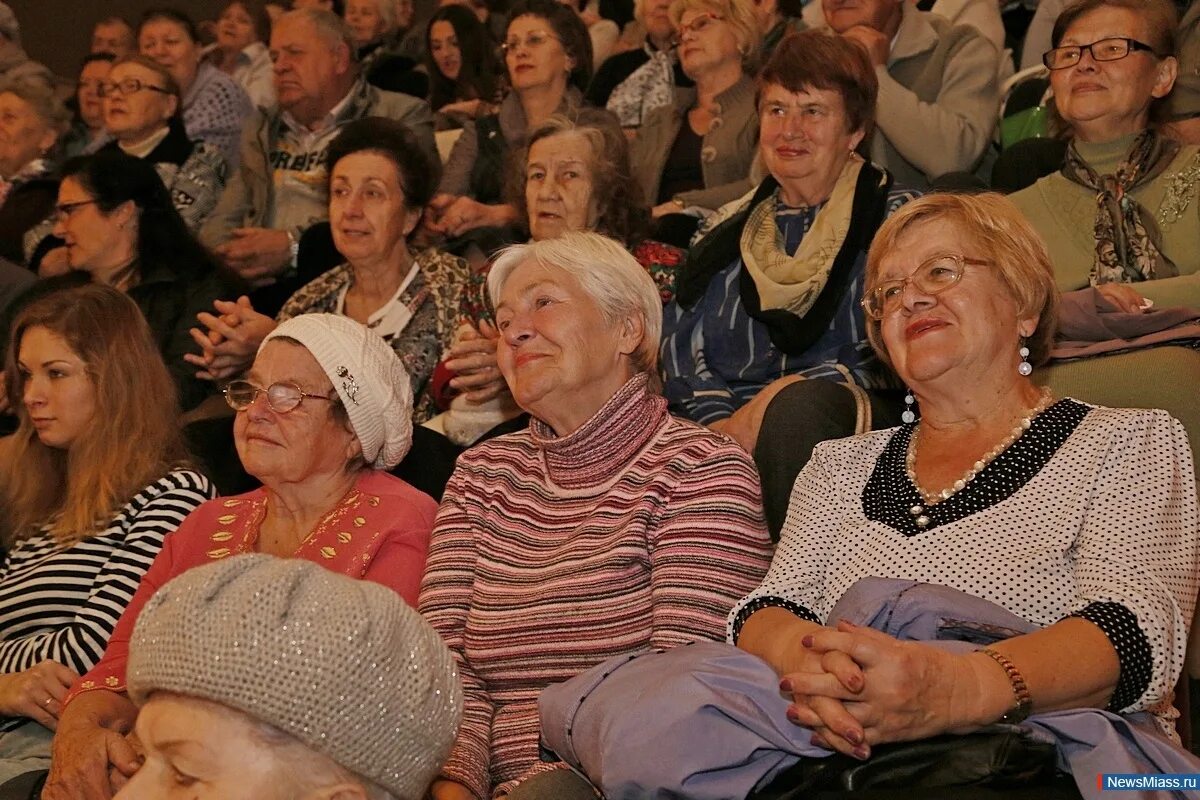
(807,641)
(862,752)
(785,685)
(853,737)
(793,715)
(819,741)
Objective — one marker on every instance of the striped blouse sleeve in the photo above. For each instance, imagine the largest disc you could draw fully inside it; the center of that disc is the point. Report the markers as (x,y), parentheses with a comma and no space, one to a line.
(445,602)
(710,548)
(80,644)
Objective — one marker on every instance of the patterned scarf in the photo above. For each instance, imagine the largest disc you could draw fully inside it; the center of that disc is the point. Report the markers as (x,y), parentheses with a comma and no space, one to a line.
(648,87)
(793,283)
(1128,243)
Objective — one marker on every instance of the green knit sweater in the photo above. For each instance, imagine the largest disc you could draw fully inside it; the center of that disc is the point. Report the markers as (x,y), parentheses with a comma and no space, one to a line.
(1064,214)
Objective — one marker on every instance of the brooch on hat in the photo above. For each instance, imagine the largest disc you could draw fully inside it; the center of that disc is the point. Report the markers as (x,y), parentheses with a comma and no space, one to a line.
(349,385)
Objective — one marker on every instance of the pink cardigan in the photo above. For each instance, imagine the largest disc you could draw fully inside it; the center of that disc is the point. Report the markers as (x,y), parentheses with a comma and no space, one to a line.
(378,532)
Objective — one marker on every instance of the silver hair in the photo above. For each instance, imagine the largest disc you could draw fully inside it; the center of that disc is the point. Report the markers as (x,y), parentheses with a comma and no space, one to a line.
(41,97)
(387,11)
(613,278)
(332,29)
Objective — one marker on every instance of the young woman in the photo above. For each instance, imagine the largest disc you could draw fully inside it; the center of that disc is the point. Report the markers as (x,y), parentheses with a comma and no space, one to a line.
(93,480)
(460,89)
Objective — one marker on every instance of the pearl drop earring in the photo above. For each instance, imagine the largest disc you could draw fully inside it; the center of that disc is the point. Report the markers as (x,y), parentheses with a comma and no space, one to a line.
(908,417)
(1025,368)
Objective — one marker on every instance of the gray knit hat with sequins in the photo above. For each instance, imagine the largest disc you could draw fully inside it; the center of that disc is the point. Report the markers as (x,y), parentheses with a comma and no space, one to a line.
(368,376)
(344,666)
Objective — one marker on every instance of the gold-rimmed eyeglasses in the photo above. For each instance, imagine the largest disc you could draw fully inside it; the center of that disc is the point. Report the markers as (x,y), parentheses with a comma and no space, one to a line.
(699,25)
(532,41)
(281,397)
(933,276)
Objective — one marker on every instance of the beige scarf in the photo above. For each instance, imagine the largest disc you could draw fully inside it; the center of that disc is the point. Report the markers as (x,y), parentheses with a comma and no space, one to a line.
(793,283)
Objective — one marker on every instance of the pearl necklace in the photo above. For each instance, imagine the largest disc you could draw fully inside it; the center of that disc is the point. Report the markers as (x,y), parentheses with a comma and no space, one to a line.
(933,498)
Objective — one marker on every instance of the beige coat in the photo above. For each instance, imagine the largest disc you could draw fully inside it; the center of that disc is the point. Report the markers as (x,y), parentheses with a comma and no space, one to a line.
(727,152)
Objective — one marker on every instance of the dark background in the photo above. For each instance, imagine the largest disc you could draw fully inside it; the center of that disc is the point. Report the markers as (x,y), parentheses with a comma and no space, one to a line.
(58,33)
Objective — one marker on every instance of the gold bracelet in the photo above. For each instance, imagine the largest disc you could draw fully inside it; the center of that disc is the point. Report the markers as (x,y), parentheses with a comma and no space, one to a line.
(1020,690)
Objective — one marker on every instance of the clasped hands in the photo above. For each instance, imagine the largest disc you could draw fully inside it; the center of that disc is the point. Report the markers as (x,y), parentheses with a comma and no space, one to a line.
(230,339)
(858,687)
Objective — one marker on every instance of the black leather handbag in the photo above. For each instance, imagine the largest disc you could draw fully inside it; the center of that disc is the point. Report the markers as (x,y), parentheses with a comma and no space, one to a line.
(996,761)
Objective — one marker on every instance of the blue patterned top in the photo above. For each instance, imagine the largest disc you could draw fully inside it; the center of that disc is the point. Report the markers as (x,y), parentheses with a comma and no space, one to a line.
(716,357)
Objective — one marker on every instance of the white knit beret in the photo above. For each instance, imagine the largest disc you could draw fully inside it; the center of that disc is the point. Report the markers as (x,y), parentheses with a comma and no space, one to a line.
(368,376)
(344,666)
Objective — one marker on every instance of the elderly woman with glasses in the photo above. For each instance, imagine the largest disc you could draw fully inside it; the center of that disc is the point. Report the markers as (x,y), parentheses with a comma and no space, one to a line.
(1116,216)
(606,527)
(1042,506)
(1120,218)
(140,105)
(323,412)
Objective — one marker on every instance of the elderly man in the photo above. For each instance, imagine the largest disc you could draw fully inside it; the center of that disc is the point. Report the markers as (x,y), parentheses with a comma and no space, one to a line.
(113,35)
(280,188)
(939,87)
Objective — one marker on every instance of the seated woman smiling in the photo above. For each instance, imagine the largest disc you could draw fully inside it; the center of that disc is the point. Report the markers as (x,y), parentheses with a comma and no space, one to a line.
(1000,491)
(606,527)
(324,411)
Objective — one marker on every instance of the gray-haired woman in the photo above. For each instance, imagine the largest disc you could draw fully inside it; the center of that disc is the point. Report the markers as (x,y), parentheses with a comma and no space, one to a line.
(31,120)
(368,720)
(607,527)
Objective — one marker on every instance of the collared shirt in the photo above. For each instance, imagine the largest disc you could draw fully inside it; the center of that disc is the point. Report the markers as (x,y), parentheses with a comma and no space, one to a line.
(298,166)
(255,74)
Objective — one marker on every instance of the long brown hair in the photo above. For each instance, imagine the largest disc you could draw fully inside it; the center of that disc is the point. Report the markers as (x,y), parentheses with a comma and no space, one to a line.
(135,434)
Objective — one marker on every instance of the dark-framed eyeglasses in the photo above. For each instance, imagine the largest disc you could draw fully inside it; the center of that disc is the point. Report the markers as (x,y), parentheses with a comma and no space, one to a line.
(933,276)
(1111,49)
(281,397)
(532,41)
(63,211)
(127,87)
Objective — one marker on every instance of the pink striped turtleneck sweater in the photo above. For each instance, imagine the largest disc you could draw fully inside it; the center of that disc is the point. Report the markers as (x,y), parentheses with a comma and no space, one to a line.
(551,554)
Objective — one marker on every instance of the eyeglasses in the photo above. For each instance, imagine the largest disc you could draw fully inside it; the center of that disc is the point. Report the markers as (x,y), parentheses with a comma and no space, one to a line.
(281,397)
(699,25)
(127,87)
(1113,49)
(532,41)
(63,211)
(934,276)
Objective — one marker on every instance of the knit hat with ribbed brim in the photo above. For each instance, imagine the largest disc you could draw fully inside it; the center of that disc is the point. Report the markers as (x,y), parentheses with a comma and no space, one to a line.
(368,376)
(344,666)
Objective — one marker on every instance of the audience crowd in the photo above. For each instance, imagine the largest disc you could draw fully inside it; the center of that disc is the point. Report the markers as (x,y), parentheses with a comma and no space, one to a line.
(540,399)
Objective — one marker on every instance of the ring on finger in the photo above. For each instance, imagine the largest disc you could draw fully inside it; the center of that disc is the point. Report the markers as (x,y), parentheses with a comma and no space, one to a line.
(49,700)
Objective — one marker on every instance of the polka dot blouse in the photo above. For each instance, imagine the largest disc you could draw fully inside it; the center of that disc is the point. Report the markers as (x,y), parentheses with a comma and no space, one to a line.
(1091,513)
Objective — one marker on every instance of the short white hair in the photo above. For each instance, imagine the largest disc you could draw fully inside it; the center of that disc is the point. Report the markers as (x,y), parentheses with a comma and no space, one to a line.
(387,12)
(613,278)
